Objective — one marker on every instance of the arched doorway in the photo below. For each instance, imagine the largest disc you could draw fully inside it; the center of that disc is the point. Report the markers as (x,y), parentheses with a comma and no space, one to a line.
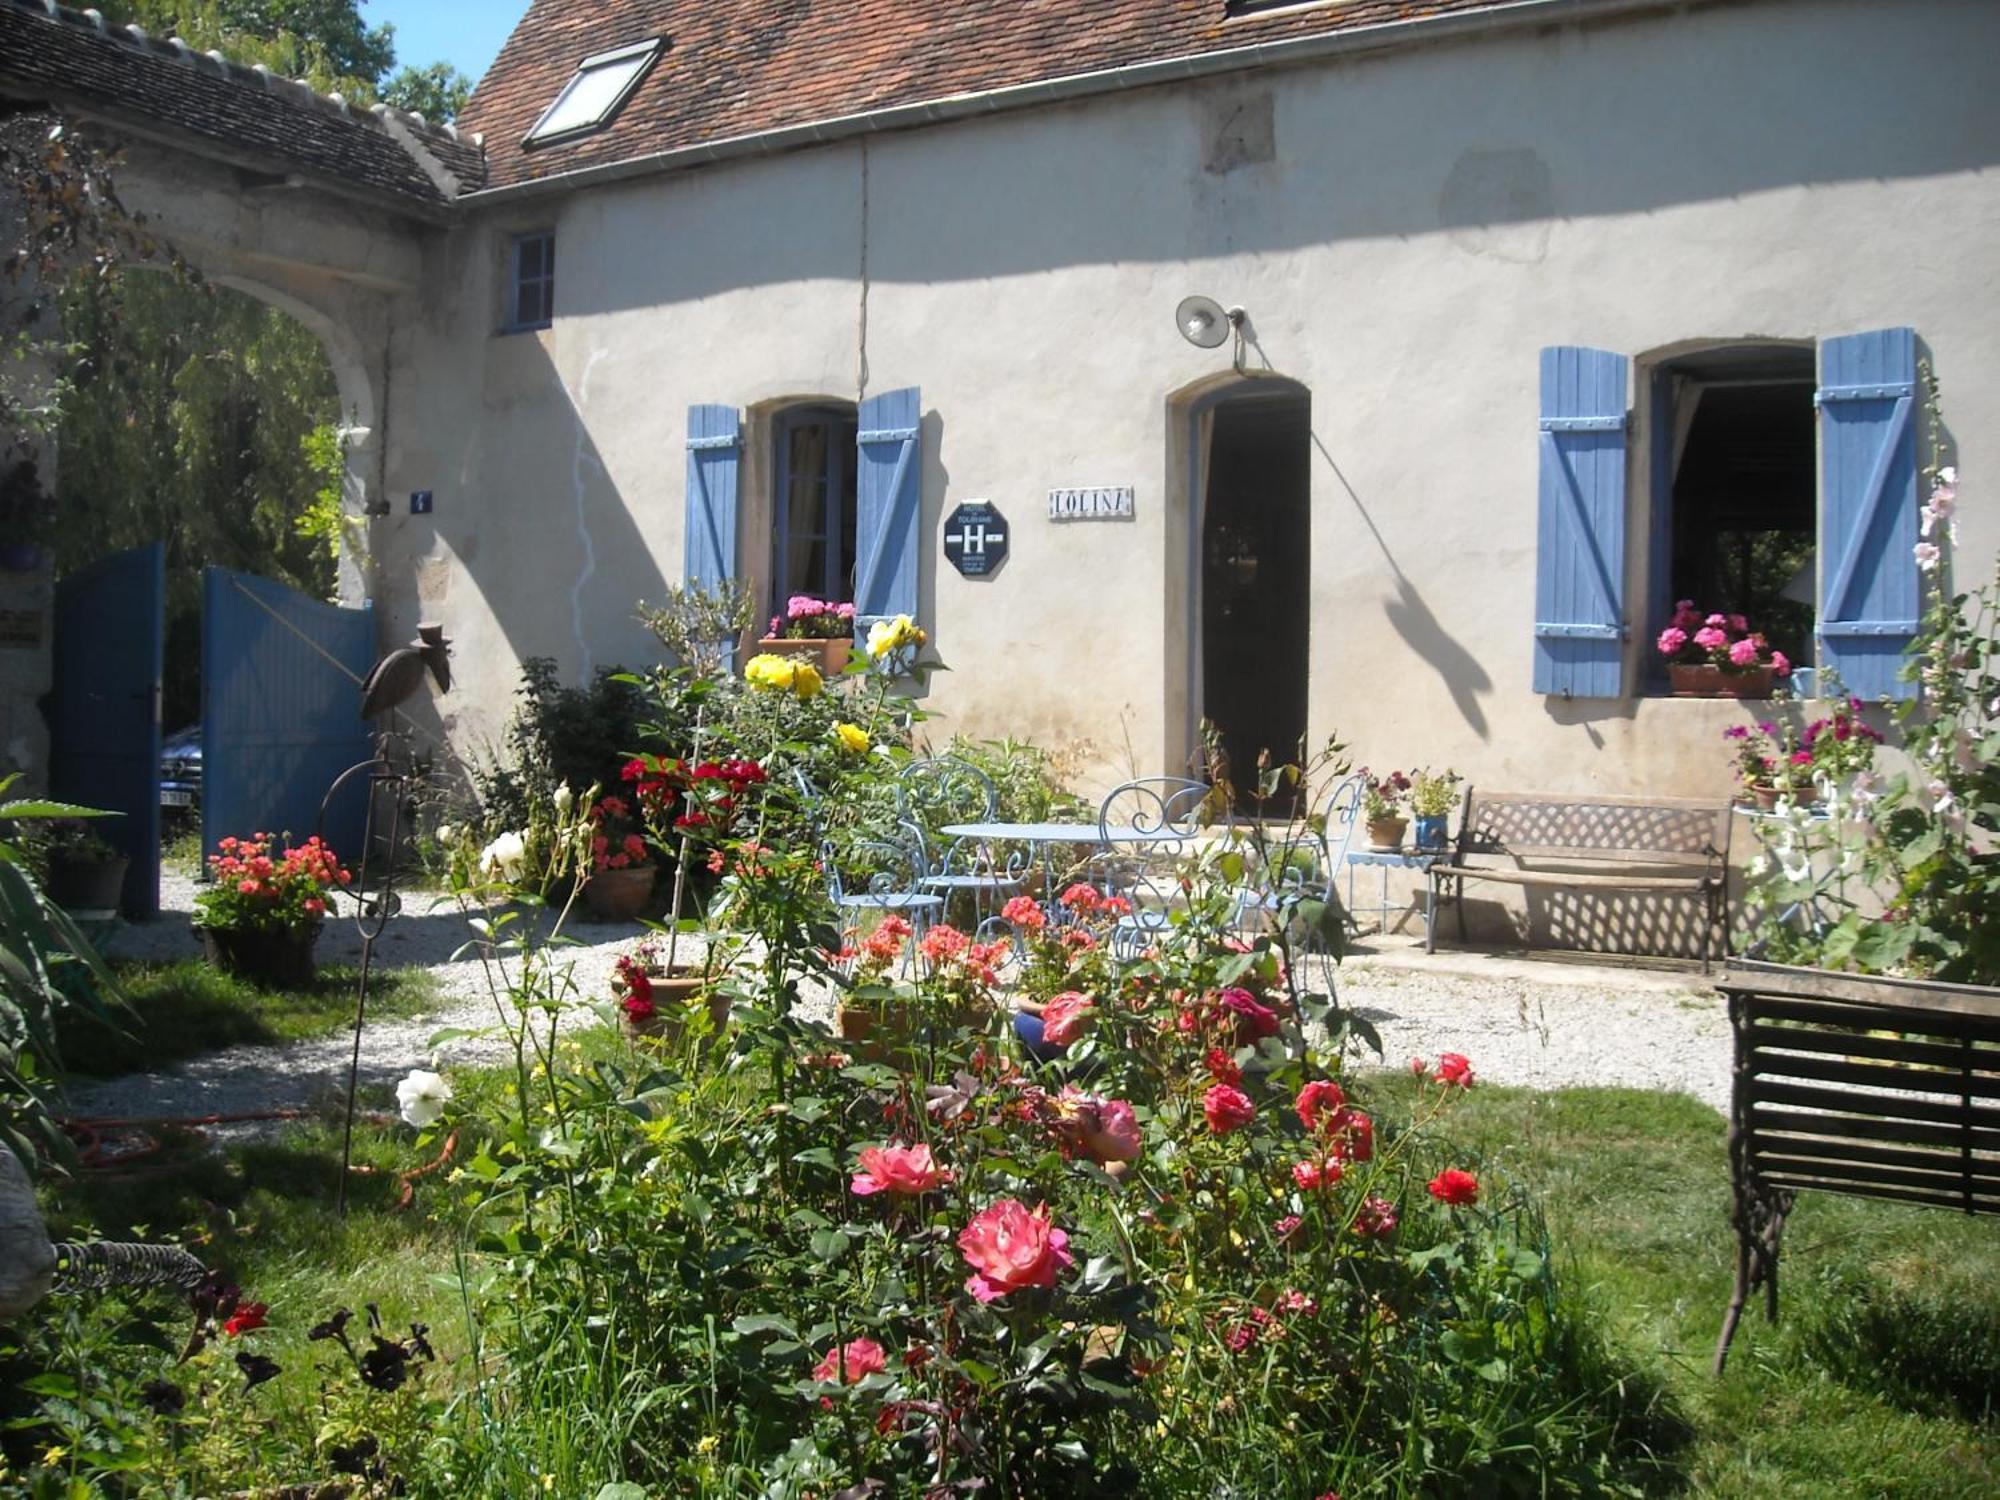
(1250,566)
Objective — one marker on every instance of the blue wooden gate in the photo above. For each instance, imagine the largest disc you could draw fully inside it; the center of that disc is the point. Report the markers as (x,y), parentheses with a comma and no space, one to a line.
(104,715)
(281,681)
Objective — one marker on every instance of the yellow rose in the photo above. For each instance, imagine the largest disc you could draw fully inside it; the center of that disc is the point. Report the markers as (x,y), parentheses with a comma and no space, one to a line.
(853,738)
(893,634)
(773,672)
(806,681)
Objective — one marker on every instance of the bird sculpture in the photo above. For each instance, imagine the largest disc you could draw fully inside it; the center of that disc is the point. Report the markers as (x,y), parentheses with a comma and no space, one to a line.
(397,676)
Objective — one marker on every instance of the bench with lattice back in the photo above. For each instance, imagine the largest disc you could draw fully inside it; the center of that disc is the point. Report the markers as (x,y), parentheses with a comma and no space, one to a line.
(1876,1088)
(1593,844)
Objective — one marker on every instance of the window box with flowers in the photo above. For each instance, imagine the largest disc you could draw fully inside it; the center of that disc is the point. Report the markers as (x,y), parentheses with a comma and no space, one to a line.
(817,629)
(1718,656)
(261,915)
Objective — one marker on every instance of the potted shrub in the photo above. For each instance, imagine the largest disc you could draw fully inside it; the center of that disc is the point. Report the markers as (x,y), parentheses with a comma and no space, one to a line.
(818,629)
(1718,655)
(622,871)
(1382,799)
(85,873)
(1433,794)
(262,912)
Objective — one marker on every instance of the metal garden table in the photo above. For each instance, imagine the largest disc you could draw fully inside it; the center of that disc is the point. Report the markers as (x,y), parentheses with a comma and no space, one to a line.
(1046,836)
(1386,860)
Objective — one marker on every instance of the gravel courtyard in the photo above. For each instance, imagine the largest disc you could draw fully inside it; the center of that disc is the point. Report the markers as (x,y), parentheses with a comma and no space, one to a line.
(1541,1023)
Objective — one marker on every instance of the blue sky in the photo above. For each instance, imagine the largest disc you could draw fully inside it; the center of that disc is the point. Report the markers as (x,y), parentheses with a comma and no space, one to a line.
(465,33)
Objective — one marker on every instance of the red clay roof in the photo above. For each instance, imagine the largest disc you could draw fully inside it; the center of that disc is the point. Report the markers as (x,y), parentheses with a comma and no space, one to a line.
(739,67)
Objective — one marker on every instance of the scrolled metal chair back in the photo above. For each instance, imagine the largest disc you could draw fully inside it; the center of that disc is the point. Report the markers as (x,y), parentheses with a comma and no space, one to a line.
(1169,810)
(943,789)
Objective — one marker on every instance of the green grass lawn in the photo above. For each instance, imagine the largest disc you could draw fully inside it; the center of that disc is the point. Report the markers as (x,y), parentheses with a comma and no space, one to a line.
(1881,1378)
(182,1009)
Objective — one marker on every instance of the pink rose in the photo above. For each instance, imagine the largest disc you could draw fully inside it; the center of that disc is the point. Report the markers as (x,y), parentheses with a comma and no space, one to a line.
(1064,1016)
(898,1169)
(1253,1019)
(1105,1130)
(1455,1068)
(1738,624)
(1319,1101)
(852,1362)
(1227,1109)
(1011,1249)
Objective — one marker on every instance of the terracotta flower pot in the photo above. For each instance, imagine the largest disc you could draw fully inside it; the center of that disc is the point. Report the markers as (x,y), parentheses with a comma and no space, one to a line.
(1764,796)
(675,998)
(619,895)
(1702,680)
(829,656)
(263,955)
(1387,833)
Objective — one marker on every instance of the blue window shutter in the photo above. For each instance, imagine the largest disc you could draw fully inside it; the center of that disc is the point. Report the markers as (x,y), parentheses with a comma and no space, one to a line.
(1870,592)
(1580,558)
(714,456)
(889,507)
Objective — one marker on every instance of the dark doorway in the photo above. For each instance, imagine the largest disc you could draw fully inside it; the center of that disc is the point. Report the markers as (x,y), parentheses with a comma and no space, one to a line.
(1256,533)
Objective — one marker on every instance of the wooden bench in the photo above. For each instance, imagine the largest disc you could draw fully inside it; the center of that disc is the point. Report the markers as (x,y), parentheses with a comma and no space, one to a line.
(1668,845)
(1879,1088)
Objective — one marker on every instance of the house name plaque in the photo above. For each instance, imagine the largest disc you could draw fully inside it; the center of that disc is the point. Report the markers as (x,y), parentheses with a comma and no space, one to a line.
(1102,502)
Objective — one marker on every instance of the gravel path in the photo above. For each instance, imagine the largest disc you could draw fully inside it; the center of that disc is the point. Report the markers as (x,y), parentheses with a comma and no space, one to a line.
(1536,1023)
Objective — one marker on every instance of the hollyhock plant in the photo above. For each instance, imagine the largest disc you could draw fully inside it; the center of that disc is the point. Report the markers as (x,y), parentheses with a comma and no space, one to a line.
(908,1170)
(1227,1108)
(1012,1249)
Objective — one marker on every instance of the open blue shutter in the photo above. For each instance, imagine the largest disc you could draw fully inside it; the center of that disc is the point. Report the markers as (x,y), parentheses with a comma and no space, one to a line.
(1580,561)
(889,507)
(1870,593)
(714,455)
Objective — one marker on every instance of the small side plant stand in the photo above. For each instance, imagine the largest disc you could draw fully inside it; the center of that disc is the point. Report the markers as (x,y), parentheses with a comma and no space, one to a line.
(1877,1088)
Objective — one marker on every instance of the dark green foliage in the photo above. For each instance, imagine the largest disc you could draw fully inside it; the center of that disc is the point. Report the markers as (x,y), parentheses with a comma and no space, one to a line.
(577,737)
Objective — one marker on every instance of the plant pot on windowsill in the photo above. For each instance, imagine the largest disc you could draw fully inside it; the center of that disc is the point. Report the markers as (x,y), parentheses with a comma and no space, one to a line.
(265,955)
(619,895)
(1705,680)
(830,656)
(675,996)
(87,885)
(1387,833)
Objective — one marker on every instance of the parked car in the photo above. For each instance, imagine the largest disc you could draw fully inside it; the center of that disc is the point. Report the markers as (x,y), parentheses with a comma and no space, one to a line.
(180,771)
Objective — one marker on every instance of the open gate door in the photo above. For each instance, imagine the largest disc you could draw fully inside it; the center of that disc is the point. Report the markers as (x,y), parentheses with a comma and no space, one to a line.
(281,678)
(104,715)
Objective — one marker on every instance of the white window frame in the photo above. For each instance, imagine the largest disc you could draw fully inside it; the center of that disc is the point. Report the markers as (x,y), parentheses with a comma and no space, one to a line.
(642,54)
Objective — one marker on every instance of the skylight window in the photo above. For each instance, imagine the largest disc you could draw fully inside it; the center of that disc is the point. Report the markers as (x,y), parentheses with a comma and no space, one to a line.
(596,92)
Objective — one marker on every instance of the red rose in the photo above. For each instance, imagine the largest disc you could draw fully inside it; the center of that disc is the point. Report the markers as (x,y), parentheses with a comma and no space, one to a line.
(248,1315)
(1351,1134)
(1064,1016)
(1455,1068)
(1227,1108)
(1319,1102)
(849,1363)
(1253,1018)
(1455,1187)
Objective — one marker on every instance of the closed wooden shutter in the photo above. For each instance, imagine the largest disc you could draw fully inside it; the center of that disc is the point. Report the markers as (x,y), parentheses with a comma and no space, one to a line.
(1580,558)
(1870,591)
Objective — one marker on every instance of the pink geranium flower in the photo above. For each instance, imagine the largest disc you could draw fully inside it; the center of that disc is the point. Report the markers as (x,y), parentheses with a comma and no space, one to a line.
(1711,638)
(1744,653)
(1012,1249)
(1025,911)
(1671,640)
(898,1169)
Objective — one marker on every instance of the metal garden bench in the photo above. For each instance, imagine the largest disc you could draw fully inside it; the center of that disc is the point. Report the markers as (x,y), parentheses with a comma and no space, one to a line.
(1877,1088)
(1596,844)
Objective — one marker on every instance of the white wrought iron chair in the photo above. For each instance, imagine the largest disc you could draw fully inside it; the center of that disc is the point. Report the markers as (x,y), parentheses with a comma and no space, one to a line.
(939,792)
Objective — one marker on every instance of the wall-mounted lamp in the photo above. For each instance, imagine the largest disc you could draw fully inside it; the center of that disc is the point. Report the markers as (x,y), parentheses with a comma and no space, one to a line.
(1205,323)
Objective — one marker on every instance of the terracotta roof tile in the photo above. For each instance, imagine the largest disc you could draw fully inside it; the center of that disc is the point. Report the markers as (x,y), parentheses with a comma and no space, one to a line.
(739,67)
(58,56)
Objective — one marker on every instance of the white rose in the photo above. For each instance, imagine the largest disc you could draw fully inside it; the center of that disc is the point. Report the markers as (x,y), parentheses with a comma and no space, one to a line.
(505,856)
(445,832)
(564,797)
(422,1097)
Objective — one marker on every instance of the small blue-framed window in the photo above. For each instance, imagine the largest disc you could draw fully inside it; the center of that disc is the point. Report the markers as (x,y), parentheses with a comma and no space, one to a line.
(531,281)
(814,461)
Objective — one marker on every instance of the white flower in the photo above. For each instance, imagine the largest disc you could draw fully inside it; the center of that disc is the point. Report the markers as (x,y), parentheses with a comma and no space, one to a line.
(1942,801)
(445,832)
(505,856)
(1927,555)
(1797,868)
(422,1097)
(565,797)
(1947,479)
(1759,863)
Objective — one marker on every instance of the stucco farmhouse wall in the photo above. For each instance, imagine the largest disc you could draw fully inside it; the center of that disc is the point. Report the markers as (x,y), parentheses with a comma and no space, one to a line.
(1428,220)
